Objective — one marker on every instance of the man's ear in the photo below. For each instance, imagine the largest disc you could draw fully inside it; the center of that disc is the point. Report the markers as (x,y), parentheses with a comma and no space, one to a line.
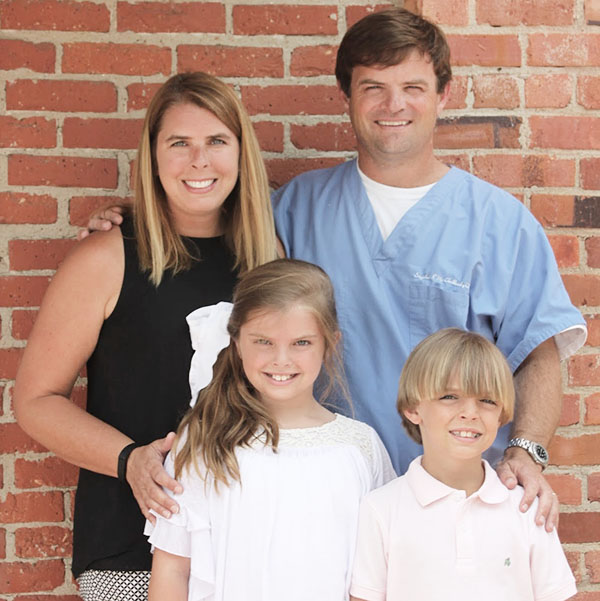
(345,99)
(443,99)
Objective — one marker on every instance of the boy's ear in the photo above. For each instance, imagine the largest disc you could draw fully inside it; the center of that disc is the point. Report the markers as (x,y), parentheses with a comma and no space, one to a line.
(412,415)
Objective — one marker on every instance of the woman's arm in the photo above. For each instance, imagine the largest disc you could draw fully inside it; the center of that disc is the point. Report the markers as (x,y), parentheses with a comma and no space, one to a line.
(170,577)
(80,297)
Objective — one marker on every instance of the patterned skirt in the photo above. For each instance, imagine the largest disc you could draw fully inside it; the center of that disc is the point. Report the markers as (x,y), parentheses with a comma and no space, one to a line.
(110,585)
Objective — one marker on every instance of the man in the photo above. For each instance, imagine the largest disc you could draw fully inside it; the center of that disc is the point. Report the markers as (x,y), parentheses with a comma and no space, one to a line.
(413,246)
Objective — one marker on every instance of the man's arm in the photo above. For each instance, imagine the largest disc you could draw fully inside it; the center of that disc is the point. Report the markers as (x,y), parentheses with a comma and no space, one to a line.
(537,412)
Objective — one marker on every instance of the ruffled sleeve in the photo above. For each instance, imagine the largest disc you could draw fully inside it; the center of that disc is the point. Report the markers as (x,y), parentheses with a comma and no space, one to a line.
(188,532)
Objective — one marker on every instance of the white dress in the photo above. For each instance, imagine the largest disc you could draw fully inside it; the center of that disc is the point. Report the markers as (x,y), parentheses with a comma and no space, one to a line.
(287,532)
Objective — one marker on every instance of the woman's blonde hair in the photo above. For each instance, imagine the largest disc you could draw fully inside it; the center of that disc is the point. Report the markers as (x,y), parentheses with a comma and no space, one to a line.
(479,366)
(247,213)
(229,412)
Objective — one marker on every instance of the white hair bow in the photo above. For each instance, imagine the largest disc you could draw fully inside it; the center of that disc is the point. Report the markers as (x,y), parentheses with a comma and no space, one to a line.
(208,331)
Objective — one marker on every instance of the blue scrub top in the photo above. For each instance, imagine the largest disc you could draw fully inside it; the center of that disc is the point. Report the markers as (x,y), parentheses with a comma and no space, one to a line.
(467,255)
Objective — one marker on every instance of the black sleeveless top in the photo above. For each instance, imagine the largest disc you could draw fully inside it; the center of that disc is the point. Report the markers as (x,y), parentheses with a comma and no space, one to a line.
(138,383)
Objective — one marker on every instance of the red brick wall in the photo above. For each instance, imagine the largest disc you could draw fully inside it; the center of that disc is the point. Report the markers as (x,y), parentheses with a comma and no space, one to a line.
(77,76)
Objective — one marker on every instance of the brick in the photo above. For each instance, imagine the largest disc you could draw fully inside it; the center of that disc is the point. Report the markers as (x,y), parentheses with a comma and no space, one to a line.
(563,50)
(18,54)
(461,161)
(593,326)
(323,136)
(573,559)
(587,596)
(592,565)
(526,12)
(231,61)
(580,450)
(592,410)
(355,13)
(592,12)
(495,91)
(590,173)
(568,132)
(287,20)
(17,207)
(494,50)
(120,59)
(77,172)
(139,95)
(517,170)
(21,577)
(592,247)
(270,135)
(51,471)
(553,210)
(579,527)
(79,395)
(310,61)
(567,488)
(2,543)
(32,507)
(458,93)
(594,486)
(81,207)
(566,250)
(583,290)
(588,91)
(22,291)
(29,132)
(445,13)
(9,363)
(47,541)
(280,171)
(102,133)
(22,323)
(48,597)
(24,255)
(66,96)
(292,100)
(586,211)
(548,91)
(54,15)
(477,132)
(185,17)
(584,370)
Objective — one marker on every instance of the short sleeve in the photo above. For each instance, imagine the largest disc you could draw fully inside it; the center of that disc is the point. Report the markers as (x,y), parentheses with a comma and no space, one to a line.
(550,572)
(369,574)
(520,268)
(382,468)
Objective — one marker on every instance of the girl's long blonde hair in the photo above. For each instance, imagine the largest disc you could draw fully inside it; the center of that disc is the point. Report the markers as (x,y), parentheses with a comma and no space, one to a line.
(229,412)
(247,213)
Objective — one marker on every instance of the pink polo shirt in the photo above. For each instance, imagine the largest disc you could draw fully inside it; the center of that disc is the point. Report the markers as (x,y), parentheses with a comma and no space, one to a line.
(420,540)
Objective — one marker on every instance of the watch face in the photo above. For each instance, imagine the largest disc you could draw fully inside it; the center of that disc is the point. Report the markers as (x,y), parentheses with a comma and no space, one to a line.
(541,453)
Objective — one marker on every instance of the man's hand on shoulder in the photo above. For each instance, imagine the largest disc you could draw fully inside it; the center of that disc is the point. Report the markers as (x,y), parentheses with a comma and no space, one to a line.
(103,219)
(517,467)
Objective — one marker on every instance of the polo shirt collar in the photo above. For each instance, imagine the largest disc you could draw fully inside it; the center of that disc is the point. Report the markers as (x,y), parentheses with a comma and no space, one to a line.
(427,489)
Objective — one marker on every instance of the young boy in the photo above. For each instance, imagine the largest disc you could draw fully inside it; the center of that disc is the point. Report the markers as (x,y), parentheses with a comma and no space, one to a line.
(448,529)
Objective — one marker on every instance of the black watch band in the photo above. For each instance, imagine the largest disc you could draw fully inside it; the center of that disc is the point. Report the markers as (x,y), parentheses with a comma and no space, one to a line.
(123,458)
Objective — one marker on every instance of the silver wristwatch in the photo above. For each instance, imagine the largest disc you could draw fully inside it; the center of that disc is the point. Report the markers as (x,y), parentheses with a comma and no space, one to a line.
(537,451)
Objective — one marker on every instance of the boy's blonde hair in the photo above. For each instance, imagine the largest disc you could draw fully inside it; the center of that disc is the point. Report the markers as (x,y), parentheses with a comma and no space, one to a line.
(479,365)
(229,413)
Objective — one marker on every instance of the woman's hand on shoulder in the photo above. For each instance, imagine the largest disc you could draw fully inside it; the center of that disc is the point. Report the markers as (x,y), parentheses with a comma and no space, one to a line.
(103,219)
(147,477)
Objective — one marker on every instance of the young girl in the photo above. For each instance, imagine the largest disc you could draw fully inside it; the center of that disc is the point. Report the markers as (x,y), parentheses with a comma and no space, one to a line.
(272,479)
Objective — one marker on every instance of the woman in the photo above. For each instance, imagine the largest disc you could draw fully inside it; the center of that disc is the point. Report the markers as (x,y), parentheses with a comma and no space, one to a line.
(118,302)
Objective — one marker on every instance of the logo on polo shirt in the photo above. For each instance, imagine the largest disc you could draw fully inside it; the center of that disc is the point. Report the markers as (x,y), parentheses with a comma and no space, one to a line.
(507,562)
